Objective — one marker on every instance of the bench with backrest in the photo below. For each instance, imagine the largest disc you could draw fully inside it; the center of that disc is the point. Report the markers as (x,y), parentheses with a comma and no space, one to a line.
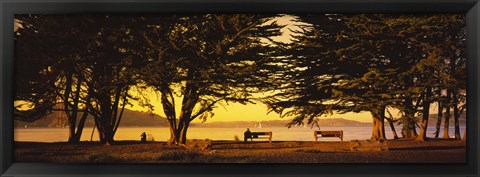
(259,135)
(322,134)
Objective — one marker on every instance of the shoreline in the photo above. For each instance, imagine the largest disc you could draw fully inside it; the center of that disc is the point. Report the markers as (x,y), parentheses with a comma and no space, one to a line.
(400,151)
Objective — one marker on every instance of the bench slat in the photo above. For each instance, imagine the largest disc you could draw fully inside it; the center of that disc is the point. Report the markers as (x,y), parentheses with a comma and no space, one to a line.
(255,135)
(261,133)
(330,133)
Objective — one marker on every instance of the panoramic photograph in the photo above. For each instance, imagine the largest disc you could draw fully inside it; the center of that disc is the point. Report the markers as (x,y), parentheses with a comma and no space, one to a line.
(240,88)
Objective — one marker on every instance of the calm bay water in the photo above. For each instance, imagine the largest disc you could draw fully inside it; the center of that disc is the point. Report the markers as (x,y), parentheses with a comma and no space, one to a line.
(162,134)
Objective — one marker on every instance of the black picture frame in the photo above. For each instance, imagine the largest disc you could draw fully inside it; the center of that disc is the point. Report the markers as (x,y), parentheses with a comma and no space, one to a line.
(10,7)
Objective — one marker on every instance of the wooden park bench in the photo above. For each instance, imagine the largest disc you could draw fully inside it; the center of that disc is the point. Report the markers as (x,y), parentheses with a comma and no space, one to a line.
(260,135)
(338,134)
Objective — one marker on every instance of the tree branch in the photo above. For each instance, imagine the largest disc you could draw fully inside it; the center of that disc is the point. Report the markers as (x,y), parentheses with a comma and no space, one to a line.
(201,111)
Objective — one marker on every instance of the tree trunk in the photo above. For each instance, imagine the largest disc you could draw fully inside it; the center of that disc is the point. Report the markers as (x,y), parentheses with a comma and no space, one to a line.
(71,131)
(465,135)
(105,135)
(101,133)
(375,128)
(70,111)
(408,128)
(439,115)
(93,131)
(426,114)
(413,129)
(183,134)
(168,103)
(446,124)
(455,92)
(109,137)
(378,132)
(106,114)
(382,128)
(408,123)
(75,109)
(456,116)
(173,138)
(394,132)
(103,121)
(390,122)
(178,133)
(81,125)
(457,126)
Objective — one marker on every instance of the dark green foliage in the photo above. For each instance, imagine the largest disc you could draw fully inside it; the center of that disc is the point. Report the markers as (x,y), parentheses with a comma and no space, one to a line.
(371,62)
(312,69)
(87,72)
(87,64)
(205,59)
(50,63)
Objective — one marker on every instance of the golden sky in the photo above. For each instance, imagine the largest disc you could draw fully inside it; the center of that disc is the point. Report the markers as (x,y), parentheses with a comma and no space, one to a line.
(238,112)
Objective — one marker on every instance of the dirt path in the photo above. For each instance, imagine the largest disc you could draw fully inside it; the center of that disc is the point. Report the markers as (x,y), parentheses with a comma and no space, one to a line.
(400,151)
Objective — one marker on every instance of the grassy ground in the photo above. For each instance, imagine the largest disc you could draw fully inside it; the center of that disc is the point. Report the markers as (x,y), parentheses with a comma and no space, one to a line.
(400,151)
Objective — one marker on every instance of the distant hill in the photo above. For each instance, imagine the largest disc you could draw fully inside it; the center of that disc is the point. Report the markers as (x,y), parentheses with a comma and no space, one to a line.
(282,123)
(133,118)
(323,122)
(130,118)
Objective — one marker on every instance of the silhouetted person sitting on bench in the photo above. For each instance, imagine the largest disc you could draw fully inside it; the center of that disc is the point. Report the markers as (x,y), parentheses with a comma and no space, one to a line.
(144,137)
(247,135)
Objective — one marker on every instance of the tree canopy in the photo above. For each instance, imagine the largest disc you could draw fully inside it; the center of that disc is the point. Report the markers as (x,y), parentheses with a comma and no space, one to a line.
(88,64)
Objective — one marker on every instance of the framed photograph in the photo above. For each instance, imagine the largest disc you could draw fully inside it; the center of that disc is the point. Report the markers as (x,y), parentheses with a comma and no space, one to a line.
(239,88)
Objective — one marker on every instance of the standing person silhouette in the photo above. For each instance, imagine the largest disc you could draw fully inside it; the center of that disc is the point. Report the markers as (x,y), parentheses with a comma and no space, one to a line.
(247,135)
(144,137)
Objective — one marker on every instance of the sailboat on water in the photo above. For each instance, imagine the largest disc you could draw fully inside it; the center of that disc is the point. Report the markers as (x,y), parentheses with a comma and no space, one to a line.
(259,125)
